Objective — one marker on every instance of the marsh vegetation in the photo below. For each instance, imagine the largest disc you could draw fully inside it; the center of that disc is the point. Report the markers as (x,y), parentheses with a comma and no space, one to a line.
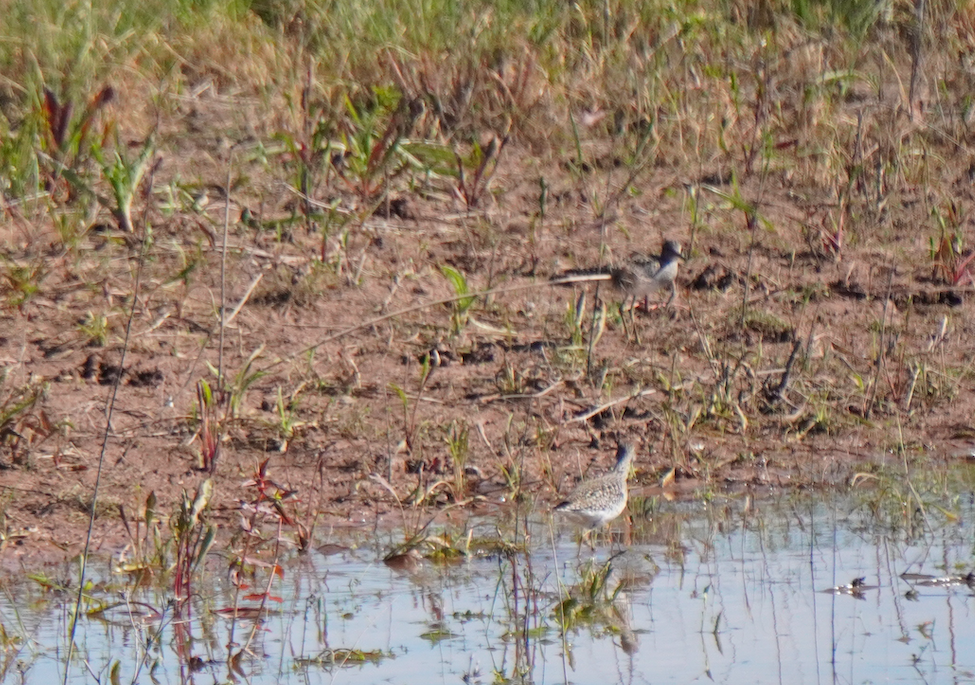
(275,266)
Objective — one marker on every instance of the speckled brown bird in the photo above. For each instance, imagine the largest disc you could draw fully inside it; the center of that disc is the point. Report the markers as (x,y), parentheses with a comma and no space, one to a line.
(639,277)
(597,501)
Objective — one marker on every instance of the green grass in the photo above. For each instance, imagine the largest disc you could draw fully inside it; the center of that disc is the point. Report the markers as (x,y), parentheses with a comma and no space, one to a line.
(767,91)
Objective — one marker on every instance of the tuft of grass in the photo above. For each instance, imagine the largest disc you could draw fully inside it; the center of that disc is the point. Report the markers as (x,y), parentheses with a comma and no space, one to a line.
(94,329)
(23,422)
(767,325)
(458,446)
(459,309)
(22,281)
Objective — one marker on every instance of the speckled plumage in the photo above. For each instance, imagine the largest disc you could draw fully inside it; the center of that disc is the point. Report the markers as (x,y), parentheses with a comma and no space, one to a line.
(644,275)
(640,276)
(597,501)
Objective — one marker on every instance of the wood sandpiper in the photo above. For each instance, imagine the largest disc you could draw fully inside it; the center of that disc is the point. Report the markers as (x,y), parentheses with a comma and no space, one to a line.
(597,501)
(638,277)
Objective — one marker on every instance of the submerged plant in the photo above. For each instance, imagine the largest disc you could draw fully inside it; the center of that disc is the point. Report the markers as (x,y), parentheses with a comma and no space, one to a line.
(146,551)
(193,536)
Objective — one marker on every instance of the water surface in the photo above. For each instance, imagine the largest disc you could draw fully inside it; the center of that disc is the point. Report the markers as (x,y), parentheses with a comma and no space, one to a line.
(727,592)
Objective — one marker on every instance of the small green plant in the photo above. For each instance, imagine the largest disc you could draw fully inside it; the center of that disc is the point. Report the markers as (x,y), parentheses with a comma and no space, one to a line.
(245,377)
(94,329)
(459,308)
(475,171)
(457,444)
(193,537)
(313,153)
(589,602)
(330,658)
(20,174)
(211,435)
(947,252)
(124,176)
(513,479)
(584,336)
(508,379)
(575,319)
(410,426)
(72,139)
(423,544)
(373,154)
(269,501)
(287,424)
(832,233)
(22,422)
(821,418)
(146,552)
(22,280)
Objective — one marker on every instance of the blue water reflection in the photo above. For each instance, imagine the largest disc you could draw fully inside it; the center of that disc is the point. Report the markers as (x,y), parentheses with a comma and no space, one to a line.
(703,594)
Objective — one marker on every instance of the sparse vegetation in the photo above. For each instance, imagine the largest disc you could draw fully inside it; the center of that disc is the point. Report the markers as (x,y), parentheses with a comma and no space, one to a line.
(309,195)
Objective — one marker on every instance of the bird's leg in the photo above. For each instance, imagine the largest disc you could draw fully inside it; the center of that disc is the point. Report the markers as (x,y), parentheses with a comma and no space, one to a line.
(613,541)
(647,307)
(588,535)
(637,303)
(672,305)
(670,300)
(626,329)
(582,538)
(636,330)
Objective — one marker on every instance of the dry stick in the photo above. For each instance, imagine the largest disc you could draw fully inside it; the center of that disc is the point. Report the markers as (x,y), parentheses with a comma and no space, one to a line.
(267,591)
(603,407)
(415,308)
(752,223)
(779,391)
(882,352)
(916,38)
(242,302)
(499,396)
(223,284)
(109,411)
(592,332)
(692,191)
(233,315)
(638,168)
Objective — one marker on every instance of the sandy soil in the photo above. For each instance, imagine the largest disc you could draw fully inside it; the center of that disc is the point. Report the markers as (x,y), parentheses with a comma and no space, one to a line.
(880,374)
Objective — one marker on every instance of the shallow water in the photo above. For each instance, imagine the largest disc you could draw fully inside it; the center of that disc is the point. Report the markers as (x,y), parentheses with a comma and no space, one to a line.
(728,593)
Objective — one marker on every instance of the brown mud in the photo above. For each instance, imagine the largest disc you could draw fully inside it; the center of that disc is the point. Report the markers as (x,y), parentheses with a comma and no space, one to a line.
(783,363)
